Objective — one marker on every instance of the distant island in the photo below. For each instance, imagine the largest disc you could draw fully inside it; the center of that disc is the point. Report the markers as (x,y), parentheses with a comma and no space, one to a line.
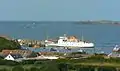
(74,22)
(99,22)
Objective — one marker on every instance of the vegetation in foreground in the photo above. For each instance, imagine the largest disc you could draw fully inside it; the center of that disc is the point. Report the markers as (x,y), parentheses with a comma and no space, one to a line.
(94,63)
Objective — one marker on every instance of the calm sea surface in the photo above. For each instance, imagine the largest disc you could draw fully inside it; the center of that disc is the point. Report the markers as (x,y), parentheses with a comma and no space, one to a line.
(105,36)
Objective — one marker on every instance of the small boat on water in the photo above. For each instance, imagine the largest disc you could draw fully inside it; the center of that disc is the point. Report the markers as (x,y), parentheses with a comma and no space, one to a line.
(70,42)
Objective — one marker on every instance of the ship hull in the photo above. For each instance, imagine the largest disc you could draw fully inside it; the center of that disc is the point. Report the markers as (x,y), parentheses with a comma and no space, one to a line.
(71,46)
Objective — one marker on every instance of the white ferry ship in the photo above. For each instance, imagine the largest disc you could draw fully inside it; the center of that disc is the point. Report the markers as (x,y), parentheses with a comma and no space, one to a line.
(71,42)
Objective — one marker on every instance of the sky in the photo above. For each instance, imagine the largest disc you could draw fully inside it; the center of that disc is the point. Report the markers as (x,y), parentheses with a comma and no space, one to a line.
(59,10)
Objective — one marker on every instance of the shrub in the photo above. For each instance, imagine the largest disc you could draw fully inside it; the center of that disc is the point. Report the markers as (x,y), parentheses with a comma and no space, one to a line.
(8,62)
(3,70)
(26,69)
(63,67)
(84,68)
(24,62)
(106,69)
(34,69)
(18,68)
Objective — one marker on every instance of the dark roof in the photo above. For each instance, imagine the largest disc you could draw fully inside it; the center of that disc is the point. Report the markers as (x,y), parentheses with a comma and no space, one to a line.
(16,56)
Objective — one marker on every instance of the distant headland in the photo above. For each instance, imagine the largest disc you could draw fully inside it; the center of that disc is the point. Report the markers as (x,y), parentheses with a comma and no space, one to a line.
(76,22)
(99,22)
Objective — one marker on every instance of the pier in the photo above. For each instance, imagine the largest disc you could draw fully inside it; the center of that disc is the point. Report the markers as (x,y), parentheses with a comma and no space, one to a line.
(31,43)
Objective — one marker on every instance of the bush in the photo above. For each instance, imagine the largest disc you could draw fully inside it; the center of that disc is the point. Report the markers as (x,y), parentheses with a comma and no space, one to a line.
(3,70)
(38,62)
(97,58)
(49,66)
(34,69)
(63,67)
(115,60)
(84,68)
(26,70)
(106,69)
(24,62)
(8,62)
(18,68)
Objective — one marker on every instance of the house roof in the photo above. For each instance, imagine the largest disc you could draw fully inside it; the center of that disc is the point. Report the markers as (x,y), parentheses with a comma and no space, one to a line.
(22,52)
(16,56)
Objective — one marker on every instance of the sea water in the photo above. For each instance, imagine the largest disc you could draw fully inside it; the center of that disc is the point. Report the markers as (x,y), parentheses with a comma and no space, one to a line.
(105,36)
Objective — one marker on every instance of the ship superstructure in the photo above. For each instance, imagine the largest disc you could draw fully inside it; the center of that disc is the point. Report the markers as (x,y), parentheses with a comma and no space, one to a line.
(71,41)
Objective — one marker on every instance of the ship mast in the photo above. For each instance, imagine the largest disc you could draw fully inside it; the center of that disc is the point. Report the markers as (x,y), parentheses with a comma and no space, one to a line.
(82,38)
(46,35)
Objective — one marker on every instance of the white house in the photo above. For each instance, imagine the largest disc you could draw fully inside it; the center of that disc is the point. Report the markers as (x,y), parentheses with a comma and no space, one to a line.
(9,57)
(13,57)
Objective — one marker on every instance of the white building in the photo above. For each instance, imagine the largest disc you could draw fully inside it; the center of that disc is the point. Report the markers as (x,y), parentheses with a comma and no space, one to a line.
(9,57)
(13,57)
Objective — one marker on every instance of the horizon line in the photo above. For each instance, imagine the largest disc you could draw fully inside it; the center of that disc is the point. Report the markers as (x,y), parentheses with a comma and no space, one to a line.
(51,20)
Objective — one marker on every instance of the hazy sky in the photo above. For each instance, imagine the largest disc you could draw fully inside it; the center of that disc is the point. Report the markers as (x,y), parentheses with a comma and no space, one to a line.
(59,10)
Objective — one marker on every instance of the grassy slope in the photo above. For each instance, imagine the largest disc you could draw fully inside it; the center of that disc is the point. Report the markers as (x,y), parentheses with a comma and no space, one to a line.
(8,44)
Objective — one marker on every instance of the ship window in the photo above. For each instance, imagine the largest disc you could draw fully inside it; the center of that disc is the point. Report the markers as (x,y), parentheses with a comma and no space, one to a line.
(64,40)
